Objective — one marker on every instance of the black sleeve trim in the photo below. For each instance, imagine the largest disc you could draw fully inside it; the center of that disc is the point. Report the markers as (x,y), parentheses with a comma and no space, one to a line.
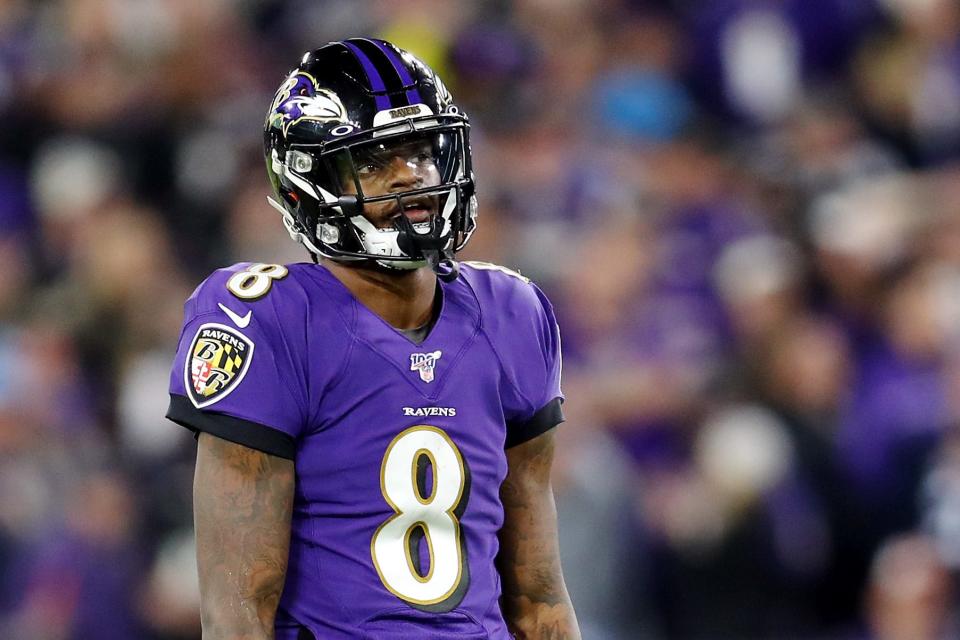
(549,416)
(250,434)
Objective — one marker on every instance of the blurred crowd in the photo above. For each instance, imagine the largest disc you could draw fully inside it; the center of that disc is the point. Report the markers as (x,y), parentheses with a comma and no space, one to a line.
(747,213)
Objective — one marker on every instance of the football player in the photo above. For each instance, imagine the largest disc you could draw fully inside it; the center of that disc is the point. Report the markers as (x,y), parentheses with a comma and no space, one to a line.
(375,425)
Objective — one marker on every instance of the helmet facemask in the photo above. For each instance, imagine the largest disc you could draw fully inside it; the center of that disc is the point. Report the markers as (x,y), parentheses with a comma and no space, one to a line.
(351,212)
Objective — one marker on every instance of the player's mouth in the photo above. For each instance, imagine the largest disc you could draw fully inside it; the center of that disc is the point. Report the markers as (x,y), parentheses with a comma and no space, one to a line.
(416,210)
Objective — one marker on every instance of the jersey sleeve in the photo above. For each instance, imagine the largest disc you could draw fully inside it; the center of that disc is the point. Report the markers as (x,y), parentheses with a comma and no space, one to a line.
(540,398)
(521,326)
(236,373)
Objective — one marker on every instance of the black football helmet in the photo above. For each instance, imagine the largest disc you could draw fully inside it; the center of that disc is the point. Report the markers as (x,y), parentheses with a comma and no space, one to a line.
(342,105)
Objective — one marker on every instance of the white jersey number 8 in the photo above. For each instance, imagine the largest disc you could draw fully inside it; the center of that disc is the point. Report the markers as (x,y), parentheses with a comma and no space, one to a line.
(395,544)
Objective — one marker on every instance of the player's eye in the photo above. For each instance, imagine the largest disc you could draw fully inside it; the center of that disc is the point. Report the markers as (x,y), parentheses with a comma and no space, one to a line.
(368,166)
(423,157)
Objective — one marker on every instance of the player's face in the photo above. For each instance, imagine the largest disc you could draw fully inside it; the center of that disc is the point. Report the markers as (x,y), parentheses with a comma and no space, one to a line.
(384,170)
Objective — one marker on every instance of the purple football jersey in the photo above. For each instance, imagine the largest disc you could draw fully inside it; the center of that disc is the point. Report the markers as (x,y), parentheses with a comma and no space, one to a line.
(398,446)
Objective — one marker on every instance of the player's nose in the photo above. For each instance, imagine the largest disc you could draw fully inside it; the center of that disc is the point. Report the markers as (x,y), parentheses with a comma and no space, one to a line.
(404,173)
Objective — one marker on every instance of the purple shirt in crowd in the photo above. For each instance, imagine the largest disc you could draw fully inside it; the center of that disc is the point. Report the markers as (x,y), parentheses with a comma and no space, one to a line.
(398,446)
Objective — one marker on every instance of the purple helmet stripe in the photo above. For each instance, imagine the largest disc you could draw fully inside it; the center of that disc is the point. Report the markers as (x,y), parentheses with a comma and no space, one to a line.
(373,76)
(413,95)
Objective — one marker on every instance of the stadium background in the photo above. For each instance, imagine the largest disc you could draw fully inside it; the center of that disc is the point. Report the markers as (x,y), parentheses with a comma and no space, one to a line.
(747,213)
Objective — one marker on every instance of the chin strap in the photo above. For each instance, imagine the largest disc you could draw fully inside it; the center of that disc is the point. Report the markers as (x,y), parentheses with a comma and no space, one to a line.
(430,247)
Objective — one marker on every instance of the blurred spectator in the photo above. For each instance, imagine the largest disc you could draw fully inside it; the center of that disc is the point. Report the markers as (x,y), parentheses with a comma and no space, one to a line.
(911,593)
(908,77)
(747,214)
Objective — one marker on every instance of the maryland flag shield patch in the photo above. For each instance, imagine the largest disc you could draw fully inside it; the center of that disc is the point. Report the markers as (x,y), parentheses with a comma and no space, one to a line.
(218,359)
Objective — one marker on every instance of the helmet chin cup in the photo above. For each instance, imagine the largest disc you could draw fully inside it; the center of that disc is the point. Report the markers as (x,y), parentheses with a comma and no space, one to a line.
(412,243)
(432,246)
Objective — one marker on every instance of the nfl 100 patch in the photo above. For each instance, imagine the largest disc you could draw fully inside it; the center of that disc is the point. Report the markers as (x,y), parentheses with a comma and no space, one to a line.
(218,359)
(424,363)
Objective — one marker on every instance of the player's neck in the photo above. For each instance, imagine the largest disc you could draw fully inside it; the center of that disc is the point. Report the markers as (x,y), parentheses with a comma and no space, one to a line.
(404,299)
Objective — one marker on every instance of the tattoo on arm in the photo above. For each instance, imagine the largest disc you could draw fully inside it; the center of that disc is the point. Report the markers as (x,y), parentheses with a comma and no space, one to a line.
(535,599)
(243,501)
